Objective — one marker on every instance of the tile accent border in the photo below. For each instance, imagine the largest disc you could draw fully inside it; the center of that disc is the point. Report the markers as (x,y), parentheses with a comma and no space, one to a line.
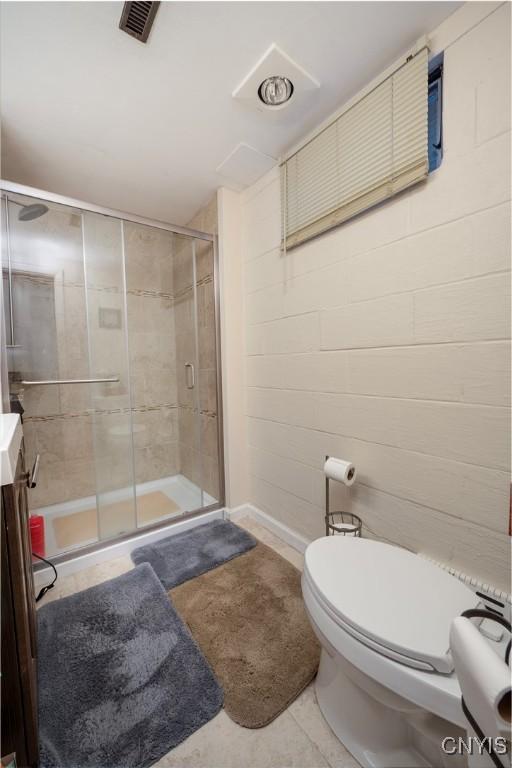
(104,412)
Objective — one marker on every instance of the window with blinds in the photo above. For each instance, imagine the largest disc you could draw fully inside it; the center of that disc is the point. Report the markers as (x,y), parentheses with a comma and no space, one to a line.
(375,149)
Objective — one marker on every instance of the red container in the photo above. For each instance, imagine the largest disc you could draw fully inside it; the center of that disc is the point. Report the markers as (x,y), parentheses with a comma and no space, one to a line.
(36,523)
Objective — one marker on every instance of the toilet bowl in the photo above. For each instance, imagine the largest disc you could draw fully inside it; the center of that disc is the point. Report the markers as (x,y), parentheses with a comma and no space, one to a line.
(386,684)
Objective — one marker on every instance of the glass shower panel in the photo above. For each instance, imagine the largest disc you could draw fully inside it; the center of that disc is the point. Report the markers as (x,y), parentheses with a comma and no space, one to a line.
(156,262)
(108,359)
(43,269)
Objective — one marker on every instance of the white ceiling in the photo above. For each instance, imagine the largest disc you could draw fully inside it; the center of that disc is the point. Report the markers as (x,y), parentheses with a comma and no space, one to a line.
(91,113)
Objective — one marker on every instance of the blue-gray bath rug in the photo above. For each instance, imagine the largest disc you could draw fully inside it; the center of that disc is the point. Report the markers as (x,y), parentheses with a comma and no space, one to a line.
(121,680)
(179,558)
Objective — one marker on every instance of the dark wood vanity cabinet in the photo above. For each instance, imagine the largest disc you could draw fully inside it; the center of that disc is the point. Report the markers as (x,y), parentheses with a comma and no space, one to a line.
(18,657)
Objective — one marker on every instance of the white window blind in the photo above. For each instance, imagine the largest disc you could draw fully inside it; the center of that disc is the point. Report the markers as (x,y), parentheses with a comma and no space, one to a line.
(376,148)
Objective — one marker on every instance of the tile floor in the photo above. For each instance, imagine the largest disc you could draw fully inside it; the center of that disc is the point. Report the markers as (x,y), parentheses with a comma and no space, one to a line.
(298,738)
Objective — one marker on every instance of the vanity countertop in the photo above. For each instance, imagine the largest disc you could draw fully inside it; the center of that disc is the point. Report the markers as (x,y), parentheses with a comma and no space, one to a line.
(10,442)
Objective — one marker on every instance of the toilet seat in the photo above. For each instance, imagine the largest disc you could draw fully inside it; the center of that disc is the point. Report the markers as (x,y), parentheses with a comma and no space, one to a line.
(389,599)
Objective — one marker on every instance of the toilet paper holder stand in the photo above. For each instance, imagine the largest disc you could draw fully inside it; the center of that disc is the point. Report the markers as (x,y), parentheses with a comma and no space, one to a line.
(338,523)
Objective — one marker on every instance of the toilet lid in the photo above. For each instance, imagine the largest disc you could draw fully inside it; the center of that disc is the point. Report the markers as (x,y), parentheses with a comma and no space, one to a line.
(393,598)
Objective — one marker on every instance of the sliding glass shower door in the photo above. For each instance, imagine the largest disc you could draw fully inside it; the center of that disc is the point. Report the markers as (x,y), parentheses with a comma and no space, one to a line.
(164,384)
(112,357)
(47,344)
(109,371)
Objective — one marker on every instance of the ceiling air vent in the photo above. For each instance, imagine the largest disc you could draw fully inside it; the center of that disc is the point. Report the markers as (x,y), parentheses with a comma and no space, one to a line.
(137,19)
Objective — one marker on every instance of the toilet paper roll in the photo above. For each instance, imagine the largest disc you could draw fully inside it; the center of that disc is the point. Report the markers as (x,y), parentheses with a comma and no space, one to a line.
(340,470)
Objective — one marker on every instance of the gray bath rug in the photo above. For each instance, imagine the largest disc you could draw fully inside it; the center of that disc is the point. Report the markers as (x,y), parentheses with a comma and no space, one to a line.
(181,557)
(121,680)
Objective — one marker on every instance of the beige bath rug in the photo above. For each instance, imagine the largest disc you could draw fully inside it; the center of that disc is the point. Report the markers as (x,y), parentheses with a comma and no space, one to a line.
(117,518)
(249,620)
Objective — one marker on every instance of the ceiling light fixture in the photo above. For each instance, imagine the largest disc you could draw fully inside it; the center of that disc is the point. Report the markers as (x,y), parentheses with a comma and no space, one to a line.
(275,91)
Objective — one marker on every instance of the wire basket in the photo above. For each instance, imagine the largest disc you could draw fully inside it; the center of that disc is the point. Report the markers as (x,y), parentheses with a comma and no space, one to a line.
(342,524)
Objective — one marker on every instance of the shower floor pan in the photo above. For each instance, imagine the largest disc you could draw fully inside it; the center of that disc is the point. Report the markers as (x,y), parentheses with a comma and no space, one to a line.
(73,524)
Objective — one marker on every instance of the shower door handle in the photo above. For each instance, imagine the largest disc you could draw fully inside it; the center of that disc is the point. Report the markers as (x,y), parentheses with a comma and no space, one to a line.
(190,375)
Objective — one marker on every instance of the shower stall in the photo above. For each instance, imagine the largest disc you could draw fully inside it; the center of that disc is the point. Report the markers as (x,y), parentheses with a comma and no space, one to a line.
(113,356)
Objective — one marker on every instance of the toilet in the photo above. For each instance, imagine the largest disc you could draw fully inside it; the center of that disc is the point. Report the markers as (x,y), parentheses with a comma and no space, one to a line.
(386,684)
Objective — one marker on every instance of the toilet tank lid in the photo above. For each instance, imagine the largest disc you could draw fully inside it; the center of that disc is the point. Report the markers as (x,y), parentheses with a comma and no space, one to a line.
(390,595)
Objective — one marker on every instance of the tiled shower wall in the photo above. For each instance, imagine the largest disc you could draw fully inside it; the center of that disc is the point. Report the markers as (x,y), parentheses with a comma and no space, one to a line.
(198,449)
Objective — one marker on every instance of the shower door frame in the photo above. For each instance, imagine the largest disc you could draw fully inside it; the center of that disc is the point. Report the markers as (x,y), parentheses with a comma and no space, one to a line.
(10,187)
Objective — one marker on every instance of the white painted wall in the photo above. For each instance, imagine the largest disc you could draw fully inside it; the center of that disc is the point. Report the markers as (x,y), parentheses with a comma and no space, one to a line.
(385,341)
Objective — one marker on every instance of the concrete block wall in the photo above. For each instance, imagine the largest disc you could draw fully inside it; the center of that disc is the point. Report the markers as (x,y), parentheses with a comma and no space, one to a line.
(386,341)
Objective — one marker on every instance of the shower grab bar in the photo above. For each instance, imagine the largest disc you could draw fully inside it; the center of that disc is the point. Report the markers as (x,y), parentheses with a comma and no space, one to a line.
(69,381)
